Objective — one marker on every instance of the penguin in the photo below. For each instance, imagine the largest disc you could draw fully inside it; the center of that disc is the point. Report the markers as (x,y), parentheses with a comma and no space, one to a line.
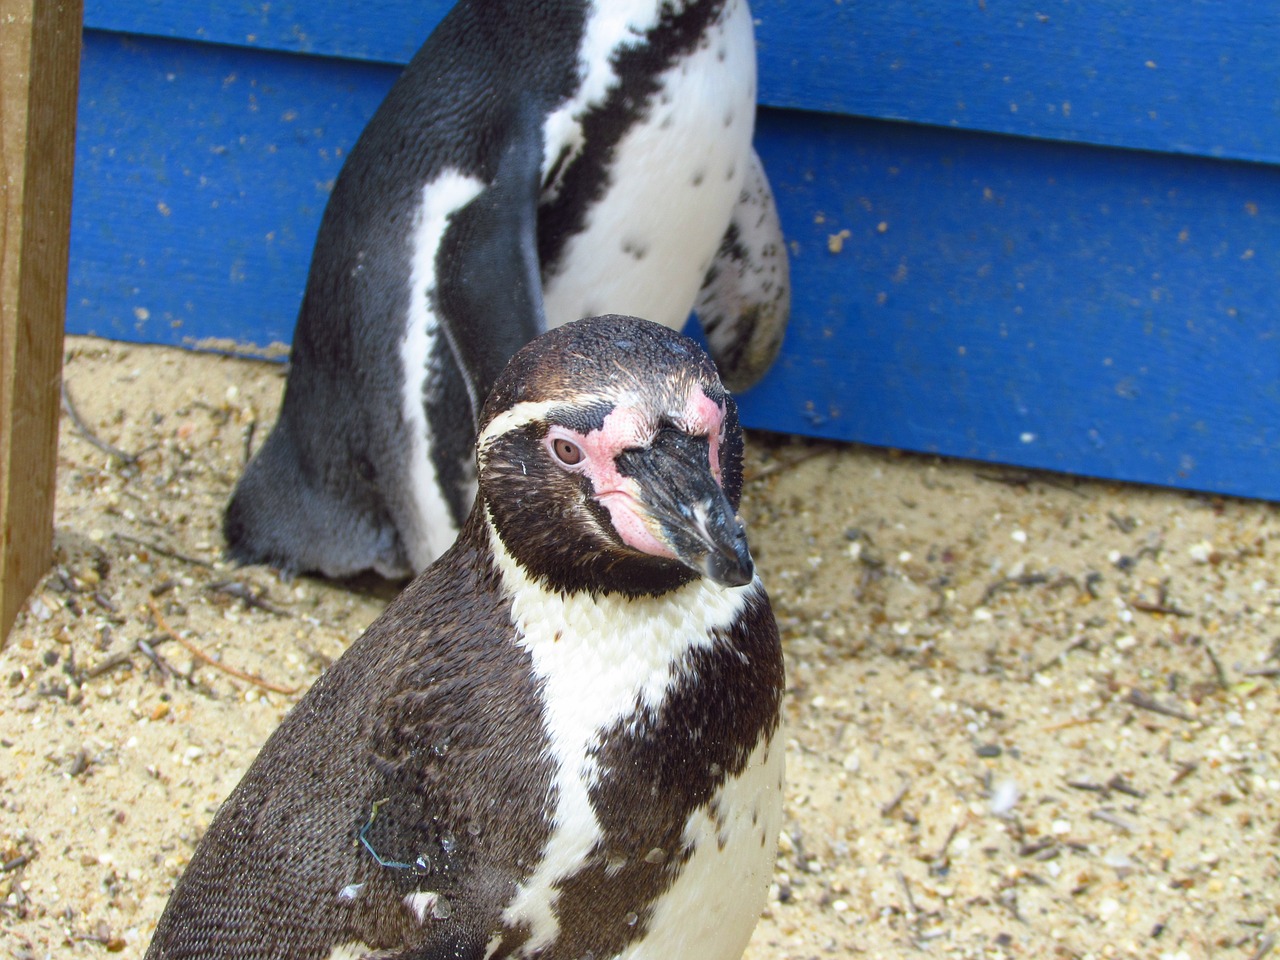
(561,740)
(534,164)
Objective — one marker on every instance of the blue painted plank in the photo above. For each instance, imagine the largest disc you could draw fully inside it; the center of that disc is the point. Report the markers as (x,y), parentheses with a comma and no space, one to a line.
(386,31)
(199,185)
(1196,76)
(1102,312)
(1098,311)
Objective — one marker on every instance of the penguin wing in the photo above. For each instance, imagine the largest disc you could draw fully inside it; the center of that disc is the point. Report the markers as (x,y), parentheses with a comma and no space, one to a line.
(490,287)
(745,300)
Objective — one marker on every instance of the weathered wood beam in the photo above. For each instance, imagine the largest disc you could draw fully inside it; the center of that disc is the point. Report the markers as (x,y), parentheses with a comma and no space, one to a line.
(39,71)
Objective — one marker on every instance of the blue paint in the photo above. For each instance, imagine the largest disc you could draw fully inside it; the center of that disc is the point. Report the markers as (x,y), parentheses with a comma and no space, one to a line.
(201,176)
(1195,76)
(1055,306)
(388,31)
(1101,311)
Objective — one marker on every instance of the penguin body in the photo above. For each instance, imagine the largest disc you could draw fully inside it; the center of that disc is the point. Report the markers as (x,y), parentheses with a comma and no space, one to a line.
(534,164)
(562,739)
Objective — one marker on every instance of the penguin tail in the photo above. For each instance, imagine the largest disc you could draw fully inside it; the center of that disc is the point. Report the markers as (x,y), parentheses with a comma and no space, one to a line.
(283,515)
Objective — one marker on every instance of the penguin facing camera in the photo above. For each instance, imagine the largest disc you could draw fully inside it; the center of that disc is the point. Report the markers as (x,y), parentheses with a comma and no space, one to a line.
(534,164)
(562,740)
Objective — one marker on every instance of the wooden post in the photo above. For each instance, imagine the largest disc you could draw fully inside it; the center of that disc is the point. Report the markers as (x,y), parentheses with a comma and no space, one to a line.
(39,68)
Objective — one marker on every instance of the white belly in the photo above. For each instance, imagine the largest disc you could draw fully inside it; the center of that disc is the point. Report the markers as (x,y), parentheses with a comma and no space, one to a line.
(712,908)
(676,177)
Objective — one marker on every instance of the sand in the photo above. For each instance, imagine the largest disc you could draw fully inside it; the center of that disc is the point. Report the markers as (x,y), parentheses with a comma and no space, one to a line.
(1027,715)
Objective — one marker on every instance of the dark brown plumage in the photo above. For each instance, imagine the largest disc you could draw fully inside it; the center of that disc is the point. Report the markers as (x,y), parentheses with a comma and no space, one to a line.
(575,707)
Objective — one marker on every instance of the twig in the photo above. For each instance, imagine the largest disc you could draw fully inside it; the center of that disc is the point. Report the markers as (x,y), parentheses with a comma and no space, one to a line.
(946,844)
(1068,724)
(1004,583)
(1123,524)
(1026,479)
(1148,606)
(201,655)
(1261,671)
(107,665)
(1038,848)
(1120,785)
(1264,948)
(906,889)
(244,593)
(19,861)
(163,551)
(161,664)
(1061,655)
(1086,785)
(1144,701)
(1106,816)
(129,459)
(896,799)
(1223,680)
(780,465)
(248,440)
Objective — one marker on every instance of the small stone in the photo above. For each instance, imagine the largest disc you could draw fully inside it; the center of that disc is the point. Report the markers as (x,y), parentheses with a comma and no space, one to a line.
(1201,552)
(40,609)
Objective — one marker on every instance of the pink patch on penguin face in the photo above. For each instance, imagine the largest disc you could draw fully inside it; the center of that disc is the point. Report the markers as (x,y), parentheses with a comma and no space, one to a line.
(622,430)
(626,428)
(704,417)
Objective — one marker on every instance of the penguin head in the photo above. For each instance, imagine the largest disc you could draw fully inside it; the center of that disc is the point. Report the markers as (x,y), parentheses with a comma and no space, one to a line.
(610,461)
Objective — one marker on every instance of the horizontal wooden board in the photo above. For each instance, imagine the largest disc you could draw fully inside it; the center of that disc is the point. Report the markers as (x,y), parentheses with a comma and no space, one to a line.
(1093,311)
(1097,311)
(201,176)
(1195,76)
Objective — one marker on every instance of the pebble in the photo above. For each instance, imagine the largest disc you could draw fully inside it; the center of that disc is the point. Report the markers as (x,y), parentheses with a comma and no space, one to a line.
(1201,552)
(1004,798)
(40,609)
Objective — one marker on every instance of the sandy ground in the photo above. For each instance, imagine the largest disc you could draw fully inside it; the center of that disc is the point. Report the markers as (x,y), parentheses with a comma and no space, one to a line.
(1028,716)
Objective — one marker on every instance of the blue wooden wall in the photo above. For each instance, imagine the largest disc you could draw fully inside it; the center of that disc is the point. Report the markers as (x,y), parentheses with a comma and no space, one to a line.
(1039,233)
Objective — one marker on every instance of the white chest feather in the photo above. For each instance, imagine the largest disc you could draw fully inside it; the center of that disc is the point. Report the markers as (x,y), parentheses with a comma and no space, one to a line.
(597,661)
(713,906)
(675,177)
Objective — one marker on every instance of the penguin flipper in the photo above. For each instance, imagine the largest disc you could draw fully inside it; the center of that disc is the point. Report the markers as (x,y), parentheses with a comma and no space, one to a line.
(490,286)
(745,300)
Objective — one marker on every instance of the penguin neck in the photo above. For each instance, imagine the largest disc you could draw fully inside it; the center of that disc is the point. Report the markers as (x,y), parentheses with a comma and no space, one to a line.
(649,632)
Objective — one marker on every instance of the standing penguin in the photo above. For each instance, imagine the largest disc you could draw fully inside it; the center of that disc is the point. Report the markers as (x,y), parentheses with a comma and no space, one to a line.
(562,739)
(535,163)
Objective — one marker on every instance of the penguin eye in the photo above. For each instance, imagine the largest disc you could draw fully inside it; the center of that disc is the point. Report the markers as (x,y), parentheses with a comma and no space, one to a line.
(566,451)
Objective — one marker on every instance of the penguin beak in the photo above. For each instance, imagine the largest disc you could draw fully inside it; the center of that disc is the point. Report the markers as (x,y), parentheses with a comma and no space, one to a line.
(687,508)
